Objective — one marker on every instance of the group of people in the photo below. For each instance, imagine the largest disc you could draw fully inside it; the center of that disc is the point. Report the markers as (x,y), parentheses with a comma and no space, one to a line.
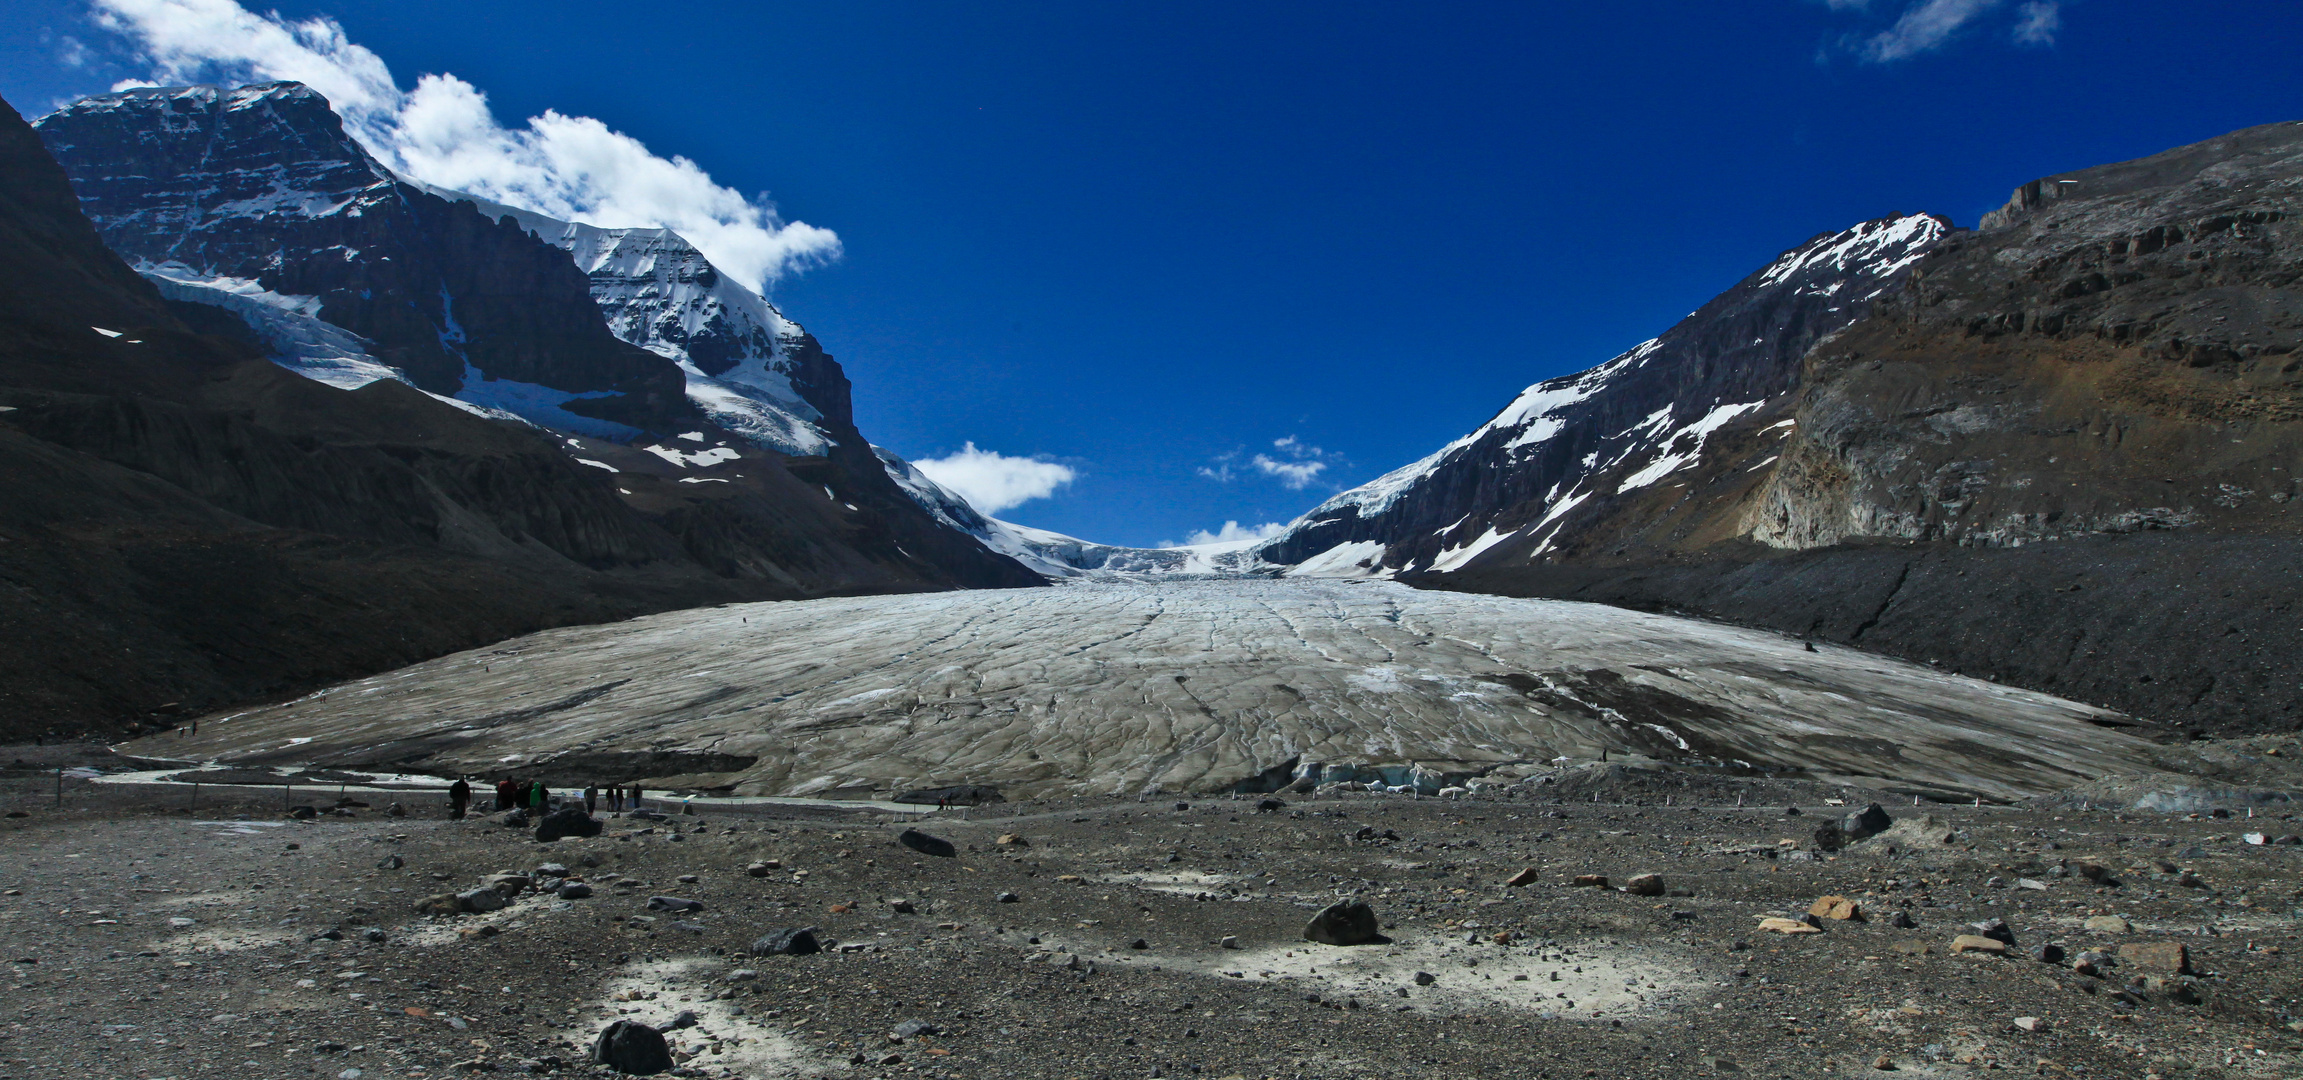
(533,797)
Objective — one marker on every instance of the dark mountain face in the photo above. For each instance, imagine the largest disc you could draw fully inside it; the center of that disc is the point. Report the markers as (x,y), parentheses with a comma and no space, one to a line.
(183,521)
(1577,449)
(262,184)
(2061,452)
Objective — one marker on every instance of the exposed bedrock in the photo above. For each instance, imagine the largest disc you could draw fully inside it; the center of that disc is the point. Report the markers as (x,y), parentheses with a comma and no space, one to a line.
(1180,686)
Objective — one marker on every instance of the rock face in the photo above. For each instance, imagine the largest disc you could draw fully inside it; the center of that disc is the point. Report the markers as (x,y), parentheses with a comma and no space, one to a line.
(231,531)
(262,184)
(2081,418)
(1573,450)
(1190,686)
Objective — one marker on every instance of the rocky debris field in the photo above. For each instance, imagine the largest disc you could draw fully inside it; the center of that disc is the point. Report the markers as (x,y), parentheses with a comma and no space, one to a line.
(1116,938)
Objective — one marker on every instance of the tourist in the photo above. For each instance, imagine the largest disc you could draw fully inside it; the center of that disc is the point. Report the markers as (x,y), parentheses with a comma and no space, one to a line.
(459,796)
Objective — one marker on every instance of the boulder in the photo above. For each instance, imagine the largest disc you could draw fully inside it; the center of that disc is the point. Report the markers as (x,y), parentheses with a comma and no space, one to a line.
(480,900)
(510,885)
(1346,922)
(927,845)
(1977,943)
(800,941)
(632,1048)
(1996,930)
(1866,823)
(1830,837)
(565,823)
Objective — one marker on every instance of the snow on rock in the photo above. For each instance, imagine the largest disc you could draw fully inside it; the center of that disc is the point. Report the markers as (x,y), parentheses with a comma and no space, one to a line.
(658,291)
(1542,463)
(1181,685)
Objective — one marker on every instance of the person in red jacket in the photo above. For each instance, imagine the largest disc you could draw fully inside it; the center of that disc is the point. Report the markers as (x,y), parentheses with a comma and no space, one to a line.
(506,792)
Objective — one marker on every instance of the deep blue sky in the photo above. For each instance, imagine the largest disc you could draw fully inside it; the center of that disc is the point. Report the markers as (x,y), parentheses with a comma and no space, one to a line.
(1138,237)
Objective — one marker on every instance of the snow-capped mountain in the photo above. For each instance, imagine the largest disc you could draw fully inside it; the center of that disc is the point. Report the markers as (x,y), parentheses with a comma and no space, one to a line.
(1058,557)
(259,193)
(255,201)
(749,369)
(1568,450)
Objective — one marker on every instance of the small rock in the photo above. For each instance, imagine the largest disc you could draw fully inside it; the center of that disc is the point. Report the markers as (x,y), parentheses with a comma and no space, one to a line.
(391,862)
(553,870)
(1883,1063)
(1645,885)
(2029,883)
(441,904)
(1787,926)
(685,1018)
(1266,806)
(795,942)
(1976,943)
(689,879)
(1996,930)
(1346,922)
(674,903)
(1830,837)
(1902,920)
(2047,954)
(1590,881)
(1425,978)
(1139,943)
(1006,898)
(901,906)
(396,810)
(927,845)
(1909,947)
(484,930)
(631,1047)
(1012,840)
(2255,838)
(1183,806)
(1229,942)
(2105,924)
(2030,1023)
(763,868)
(2095,872)
(914,1028)
(1836,907)
(1528,876)
(2170,957)
(574,890)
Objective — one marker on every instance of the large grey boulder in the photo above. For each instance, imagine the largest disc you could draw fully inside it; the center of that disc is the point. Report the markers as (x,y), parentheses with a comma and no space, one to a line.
(1346,922)
(631,1047)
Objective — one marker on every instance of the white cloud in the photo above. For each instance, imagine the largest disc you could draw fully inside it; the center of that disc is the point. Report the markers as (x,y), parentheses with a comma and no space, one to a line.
(2038,23)
(1295,474)
(1924,27)
(992,482)
(1232,532)
(442,132)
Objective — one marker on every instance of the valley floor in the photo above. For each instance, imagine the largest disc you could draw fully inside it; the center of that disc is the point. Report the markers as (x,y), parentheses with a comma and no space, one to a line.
(150,941)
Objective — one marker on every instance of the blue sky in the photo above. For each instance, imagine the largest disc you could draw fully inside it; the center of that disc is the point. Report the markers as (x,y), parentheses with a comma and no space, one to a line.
(1154,242)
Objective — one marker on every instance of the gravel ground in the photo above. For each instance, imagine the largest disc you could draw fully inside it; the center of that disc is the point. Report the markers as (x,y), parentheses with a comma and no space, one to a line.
(144,941)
